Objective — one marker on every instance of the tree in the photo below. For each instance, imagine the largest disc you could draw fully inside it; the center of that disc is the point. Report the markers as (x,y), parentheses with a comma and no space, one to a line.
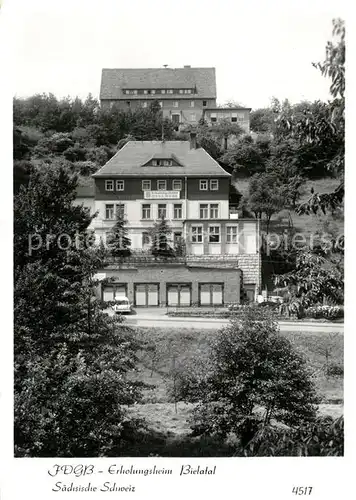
(326,129)
(161,239)
(118,240)
(262,120)
(253,375)
(71,359)
(267,196)
(246,156)
(314,280)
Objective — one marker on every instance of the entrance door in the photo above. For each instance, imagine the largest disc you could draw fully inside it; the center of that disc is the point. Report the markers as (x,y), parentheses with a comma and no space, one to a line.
(146,294)
(211,294)
(179,294)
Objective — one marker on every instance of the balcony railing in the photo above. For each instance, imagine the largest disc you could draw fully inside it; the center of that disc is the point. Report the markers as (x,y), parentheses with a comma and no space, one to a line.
(145,257)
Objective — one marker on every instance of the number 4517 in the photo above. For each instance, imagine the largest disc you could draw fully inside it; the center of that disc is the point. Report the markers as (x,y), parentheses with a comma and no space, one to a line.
(302,490)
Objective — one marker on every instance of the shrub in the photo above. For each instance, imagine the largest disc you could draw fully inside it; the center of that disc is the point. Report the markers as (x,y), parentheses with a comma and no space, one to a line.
(252,366)
(75,153)
(334,369)
(325,312)
(85,168)
(323,437)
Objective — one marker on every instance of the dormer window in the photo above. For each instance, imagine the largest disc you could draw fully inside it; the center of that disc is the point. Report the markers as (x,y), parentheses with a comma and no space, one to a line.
(162,163)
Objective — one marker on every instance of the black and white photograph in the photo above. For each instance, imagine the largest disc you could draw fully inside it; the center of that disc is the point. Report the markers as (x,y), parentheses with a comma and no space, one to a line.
(178,236)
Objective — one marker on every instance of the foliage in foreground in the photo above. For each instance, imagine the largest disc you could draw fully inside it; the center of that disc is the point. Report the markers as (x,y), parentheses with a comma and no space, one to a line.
(71,360)
(250,366)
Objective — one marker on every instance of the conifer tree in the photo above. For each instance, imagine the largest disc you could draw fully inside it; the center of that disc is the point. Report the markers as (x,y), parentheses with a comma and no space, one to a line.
(118,241)
(161,239)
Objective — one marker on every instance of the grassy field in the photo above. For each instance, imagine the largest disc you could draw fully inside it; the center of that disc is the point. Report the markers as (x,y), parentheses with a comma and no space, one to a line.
(175,347)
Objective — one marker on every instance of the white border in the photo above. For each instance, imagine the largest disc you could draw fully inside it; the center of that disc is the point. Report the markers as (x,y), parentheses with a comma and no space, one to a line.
(236,478)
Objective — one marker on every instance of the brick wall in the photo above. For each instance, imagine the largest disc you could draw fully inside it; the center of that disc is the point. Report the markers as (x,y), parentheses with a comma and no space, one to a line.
(170,273)
(250,265)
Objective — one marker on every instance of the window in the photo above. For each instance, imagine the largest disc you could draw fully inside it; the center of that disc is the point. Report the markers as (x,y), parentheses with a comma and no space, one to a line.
(234,117)
(144,104)
(170,91)
(161,104)
(187,91)
(214,211)
(204,211)
(120,210)
(109,212)
(109,185)
(163,91)
(177,185)
(175,104)
(167,163)
(192,104)
(180,91)
(146,211)
(128,103)
(145,91)
(161,185)
(146,185)
(134,92)
(153,91)
(162,211)
(120,185)
(203,185)
(177,211)
(231,234)
(214,184)
(145,239)
(205,103)
(154,163)
(197,234)
(213,117)
(192,117)
(214,234)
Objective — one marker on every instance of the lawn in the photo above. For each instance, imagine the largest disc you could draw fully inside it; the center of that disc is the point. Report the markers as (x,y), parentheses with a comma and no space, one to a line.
(173,347)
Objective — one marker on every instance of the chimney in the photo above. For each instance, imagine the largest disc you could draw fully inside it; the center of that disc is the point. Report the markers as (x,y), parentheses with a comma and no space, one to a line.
(193,140)
(188,66)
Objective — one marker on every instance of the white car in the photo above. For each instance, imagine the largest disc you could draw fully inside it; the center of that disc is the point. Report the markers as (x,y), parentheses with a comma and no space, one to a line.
(122,305)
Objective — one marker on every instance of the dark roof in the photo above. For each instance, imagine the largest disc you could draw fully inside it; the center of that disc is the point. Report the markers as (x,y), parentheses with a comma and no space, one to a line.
(85,188)
(114,80)
(131,160)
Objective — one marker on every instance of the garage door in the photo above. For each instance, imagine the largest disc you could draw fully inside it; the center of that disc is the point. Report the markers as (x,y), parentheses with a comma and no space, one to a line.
(146,294)
(113,292)
(211,294)
(179,294)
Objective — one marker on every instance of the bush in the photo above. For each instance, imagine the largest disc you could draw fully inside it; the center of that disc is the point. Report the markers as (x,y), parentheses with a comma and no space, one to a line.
(334,369)
(325,312)
(100,155)
(85,168)
(252,366)
(75,153)
(323,437)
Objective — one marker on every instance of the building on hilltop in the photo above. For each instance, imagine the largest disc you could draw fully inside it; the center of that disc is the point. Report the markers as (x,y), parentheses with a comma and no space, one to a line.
(184,184)
(186,95)
(183,93)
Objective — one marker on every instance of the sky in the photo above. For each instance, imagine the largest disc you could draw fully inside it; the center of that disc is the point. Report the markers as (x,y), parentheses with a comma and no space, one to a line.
(259,49)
